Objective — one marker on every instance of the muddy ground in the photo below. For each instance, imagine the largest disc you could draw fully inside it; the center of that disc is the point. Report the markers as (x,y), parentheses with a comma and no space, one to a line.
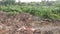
(9,24)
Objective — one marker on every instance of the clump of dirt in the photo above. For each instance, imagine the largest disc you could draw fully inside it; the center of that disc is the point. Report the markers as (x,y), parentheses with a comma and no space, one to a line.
(9,24)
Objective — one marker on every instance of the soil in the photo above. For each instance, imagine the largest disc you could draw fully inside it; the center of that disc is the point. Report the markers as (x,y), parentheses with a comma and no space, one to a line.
(9,24)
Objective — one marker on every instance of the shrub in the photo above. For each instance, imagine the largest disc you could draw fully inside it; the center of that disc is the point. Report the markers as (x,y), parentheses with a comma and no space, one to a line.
(42,11)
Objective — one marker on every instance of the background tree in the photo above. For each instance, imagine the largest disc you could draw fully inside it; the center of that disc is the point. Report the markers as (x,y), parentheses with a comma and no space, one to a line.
(5,2)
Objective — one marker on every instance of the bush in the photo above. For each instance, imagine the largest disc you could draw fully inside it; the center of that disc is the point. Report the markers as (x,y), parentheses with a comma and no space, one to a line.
(42,11)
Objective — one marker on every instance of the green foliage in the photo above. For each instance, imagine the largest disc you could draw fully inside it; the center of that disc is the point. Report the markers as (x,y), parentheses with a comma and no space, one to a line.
(46,11)
(5,2)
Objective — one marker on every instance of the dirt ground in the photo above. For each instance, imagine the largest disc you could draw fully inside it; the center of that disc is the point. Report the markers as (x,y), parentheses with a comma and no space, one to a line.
(9,24)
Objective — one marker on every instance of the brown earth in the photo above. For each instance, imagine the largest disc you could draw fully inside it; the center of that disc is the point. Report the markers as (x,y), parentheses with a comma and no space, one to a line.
(9,24)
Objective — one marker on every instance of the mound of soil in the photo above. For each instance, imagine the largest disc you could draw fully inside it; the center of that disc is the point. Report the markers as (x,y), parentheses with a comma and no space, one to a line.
(9,24)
